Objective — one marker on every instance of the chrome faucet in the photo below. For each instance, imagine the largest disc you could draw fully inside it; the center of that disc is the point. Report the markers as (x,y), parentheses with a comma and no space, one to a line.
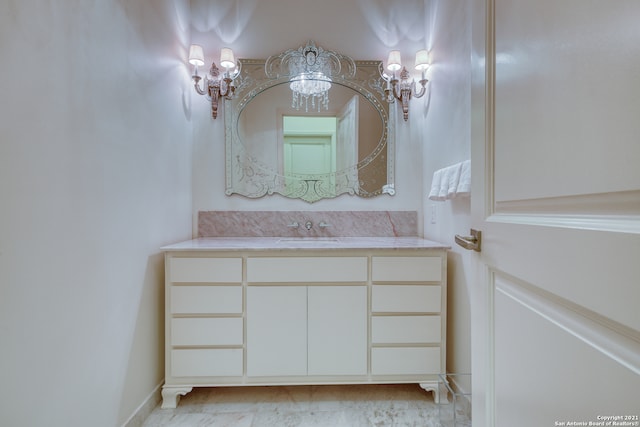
(308,225)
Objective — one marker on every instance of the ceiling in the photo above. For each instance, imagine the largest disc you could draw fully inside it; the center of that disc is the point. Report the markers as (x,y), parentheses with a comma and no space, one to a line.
(362,29)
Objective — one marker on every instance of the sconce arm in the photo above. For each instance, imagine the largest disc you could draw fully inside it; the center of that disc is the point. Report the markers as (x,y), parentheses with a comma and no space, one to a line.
(215,90)
(236,71)
(423,88)
(395,85)
(196,84)
(228,89)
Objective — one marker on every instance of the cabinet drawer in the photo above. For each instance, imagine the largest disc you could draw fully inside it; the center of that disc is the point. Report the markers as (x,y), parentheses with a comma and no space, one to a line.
(405,360)
(222,331)
(206,362)
(214,270)
(405,299)
(405,329)
(206,299)
(406,269)
(303,269)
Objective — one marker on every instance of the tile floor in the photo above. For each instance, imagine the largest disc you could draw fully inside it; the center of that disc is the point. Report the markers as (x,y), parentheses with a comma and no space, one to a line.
(392,405)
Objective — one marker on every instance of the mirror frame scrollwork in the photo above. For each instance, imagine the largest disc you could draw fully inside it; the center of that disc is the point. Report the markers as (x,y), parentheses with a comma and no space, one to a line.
(249,176)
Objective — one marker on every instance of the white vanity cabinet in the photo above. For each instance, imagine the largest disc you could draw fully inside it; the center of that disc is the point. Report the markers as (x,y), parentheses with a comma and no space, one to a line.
(277,331)
(337,330)
(239,317)
(406,316)
(302,326)
(204,318)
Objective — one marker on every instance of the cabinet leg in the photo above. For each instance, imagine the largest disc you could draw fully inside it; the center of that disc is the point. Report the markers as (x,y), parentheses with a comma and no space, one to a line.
(171,395)
(438,395)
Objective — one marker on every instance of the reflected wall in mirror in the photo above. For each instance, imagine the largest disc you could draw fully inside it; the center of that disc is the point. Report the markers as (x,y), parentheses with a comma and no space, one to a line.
(309,147)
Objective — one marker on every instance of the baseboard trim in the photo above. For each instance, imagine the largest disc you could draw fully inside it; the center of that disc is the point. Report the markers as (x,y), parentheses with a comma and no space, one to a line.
(144,410)
(463,395)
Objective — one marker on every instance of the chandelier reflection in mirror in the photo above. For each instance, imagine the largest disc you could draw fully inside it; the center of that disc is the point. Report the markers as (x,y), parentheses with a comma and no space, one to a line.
(215,85)
(311,68)
(310,88)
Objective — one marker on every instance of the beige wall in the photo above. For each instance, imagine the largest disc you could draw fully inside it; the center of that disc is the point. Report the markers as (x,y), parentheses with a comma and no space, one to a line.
(446,136)
(95,175)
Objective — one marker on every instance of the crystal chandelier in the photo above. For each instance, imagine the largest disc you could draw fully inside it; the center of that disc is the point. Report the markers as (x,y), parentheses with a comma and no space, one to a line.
(310,89)
(310,69)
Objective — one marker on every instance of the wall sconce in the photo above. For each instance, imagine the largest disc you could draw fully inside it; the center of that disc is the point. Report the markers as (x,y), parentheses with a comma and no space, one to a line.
(215,85)
(403,89)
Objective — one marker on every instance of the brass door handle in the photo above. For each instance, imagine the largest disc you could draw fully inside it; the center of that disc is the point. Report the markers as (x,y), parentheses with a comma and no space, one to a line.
(470,242)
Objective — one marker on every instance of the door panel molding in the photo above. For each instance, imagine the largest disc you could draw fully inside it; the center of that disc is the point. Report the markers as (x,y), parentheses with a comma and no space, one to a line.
(615,212)
(621,203)
(609,223)
(610,338)
(546,374)
(490,379)
(490,108)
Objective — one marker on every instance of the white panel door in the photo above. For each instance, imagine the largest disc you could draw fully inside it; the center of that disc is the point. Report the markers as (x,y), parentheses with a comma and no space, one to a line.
(556,194)
(347,137)
(337,319)
(276,330)
(308,154)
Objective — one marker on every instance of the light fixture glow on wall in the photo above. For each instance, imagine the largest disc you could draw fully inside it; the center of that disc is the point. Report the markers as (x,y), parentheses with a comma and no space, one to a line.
(215,84)
(404,88)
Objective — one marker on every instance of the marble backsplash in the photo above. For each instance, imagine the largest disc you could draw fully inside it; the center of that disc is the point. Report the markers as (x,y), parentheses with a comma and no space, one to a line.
(280,223)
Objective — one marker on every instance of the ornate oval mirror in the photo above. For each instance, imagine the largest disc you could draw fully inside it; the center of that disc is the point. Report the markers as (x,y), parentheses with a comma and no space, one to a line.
(309,124)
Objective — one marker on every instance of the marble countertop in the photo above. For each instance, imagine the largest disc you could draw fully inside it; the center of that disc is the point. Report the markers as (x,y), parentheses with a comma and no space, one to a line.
(301,243)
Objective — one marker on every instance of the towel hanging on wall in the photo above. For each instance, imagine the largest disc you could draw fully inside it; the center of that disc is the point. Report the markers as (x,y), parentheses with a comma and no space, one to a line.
(453,172)
(450,182)
(464,185)
(434,194)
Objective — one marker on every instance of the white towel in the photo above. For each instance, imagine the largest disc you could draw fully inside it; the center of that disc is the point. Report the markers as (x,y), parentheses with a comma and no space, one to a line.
(443,193)
(434,194)
(464,184)
(450,182)
(453,173)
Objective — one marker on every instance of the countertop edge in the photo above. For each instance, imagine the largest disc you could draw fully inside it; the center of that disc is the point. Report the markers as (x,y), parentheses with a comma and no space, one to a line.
(230,244)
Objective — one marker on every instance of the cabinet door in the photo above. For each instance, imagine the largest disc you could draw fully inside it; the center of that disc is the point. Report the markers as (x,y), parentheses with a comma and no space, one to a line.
(337,317)
(276,330)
